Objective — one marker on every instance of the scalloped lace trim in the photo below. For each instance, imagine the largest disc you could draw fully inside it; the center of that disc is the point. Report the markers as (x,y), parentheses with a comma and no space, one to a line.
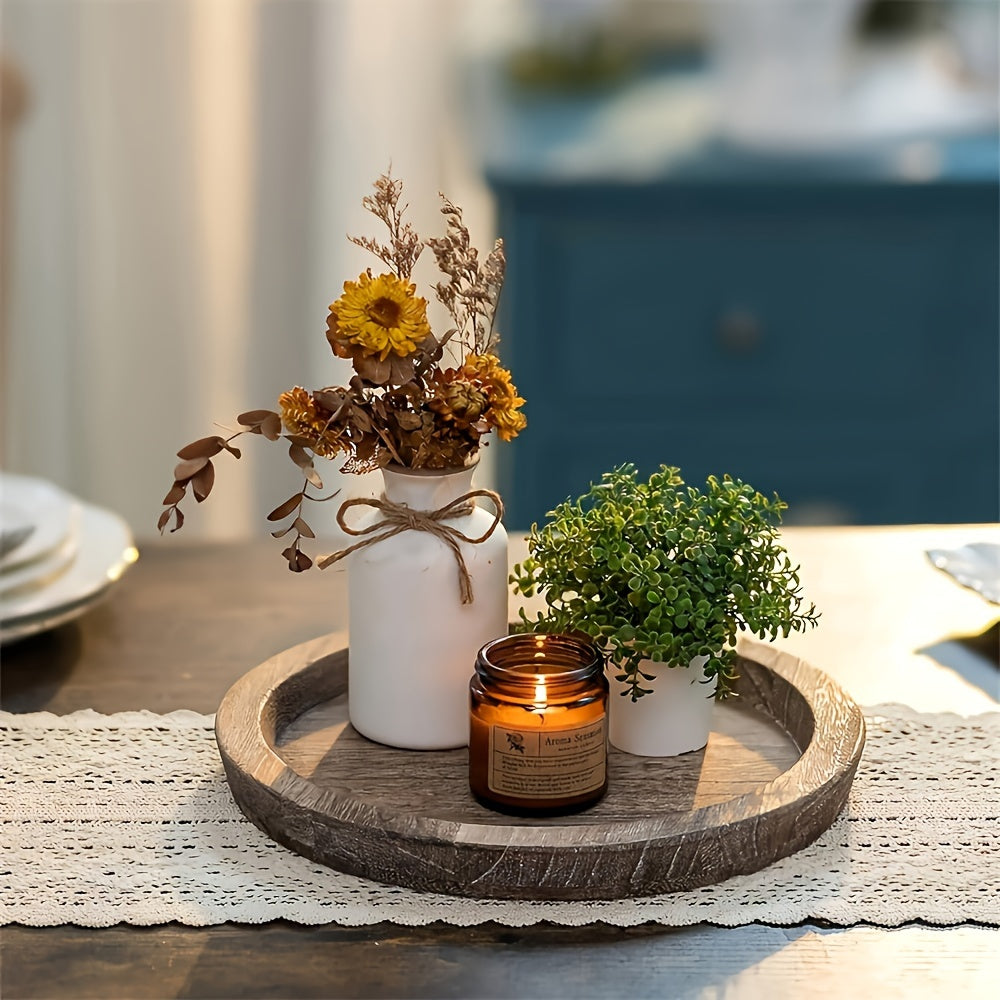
(127,818)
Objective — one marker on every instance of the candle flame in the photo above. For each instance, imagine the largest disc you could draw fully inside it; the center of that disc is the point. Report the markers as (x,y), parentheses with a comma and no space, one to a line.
(541,695)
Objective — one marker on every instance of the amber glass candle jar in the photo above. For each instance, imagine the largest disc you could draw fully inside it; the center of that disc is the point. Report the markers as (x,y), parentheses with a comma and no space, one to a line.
(538,731)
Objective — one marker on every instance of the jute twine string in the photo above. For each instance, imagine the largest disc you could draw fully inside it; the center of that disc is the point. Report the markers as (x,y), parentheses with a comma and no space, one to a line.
(397,517)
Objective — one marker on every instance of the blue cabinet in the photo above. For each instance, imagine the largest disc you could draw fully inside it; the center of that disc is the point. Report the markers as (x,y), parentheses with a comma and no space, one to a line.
(834,340)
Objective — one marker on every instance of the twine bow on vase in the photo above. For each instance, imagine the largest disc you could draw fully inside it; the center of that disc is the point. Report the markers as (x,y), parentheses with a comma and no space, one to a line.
(397,518)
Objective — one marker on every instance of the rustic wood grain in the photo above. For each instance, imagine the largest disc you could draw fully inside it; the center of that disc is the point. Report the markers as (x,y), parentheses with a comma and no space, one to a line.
(319,746)
(183,625)
(303,775)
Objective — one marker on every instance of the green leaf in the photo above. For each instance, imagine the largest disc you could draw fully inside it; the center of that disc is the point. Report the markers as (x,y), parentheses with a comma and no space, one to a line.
(663,571)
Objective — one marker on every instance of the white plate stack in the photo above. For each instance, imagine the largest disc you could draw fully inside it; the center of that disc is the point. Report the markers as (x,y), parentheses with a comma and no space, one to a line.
(976,566)
(58,555)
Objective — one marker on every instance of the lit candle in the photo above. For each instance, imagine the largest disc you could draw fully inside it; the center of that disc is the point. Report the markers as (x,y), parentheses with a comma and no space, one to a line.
(538,728)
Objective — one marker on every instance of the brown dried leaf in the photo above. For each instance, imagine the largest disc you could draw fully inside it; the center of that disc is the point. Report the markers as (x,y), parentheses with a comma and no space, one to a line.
(302,528)
(362,421)
(235,452)
(281,532)
(284,509)
(163,519)
(401,370)
(386,442)
(299,455)
(180,520)
(297,561)
(304,461)
(373,370)
(203,448)
(253,418)
(175,494)
(186,469)
(202,482)
(271,427)
(331,398)
(408,421)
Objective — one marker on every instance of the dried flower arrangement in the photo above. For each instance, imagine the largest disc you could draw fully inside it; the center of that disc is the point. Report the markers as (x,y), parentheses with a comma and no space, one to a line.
(405,404)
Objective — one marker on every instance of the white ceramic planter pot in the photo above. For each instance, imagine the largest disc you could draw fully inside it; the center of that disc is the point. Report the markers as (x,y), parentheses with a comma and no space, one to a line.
(413,644)
(676,718)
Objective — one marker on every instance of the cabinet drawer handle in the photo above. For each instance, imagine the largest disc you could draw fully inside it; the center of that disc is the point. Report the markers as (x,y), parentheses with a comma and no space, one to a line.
(739,332)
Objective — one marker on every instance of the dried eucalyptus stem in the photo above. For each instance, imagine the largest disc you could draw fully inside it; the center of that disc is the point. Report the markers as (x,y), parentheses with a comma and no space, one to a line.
(196,470)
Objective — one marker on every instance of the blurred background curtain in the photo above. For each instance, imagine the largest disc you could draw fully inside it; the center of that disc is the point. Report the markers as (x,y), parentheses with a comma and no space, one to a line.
(183,175)
(184,178)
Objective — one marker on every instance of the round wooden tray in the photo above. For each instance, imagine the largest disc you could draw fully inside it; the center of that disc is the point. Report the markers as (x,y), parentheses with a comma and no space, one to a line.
(775,774)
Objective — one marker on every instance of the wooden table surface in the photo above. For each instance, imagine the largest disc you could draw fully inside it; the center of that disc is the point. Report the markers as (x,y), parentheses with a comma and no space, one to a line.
(188,620)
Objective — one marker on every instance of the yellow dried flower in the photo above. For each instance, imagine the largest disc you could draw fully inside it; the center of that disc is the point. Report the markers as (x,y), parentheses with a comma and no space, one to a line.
(382,315)
(305,418)
(486,371)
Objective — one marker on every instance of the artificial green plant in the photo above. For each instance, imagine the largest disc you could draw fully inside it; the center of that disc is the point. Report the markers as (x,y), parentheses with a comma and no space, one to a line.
(662,571)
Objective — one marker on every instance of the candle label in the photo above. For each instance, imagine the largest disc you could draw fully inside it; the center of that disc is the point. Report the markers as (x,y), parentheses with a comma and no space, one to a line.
(548,763)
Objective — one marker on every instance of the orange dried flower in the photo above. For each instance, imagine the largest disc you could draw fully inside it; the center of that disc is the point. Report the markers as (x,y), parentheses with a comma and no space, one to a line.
(307,419)
(485,371)
(456,399)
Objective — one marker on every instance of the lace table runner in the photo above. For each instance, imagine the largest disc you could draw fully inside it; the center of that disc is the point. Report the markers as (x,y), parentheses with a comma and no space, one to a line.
(127,818)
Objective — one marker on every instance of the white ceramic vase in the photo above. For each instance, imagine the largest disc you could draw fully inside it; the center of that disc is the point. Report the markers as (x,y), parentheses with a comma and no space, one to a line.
(413,644)
(676,718)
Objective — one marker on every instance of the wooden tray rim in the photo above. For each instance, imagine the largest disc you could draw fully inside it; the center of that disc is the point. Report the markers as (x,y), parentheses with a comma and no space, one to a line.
(830,754)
